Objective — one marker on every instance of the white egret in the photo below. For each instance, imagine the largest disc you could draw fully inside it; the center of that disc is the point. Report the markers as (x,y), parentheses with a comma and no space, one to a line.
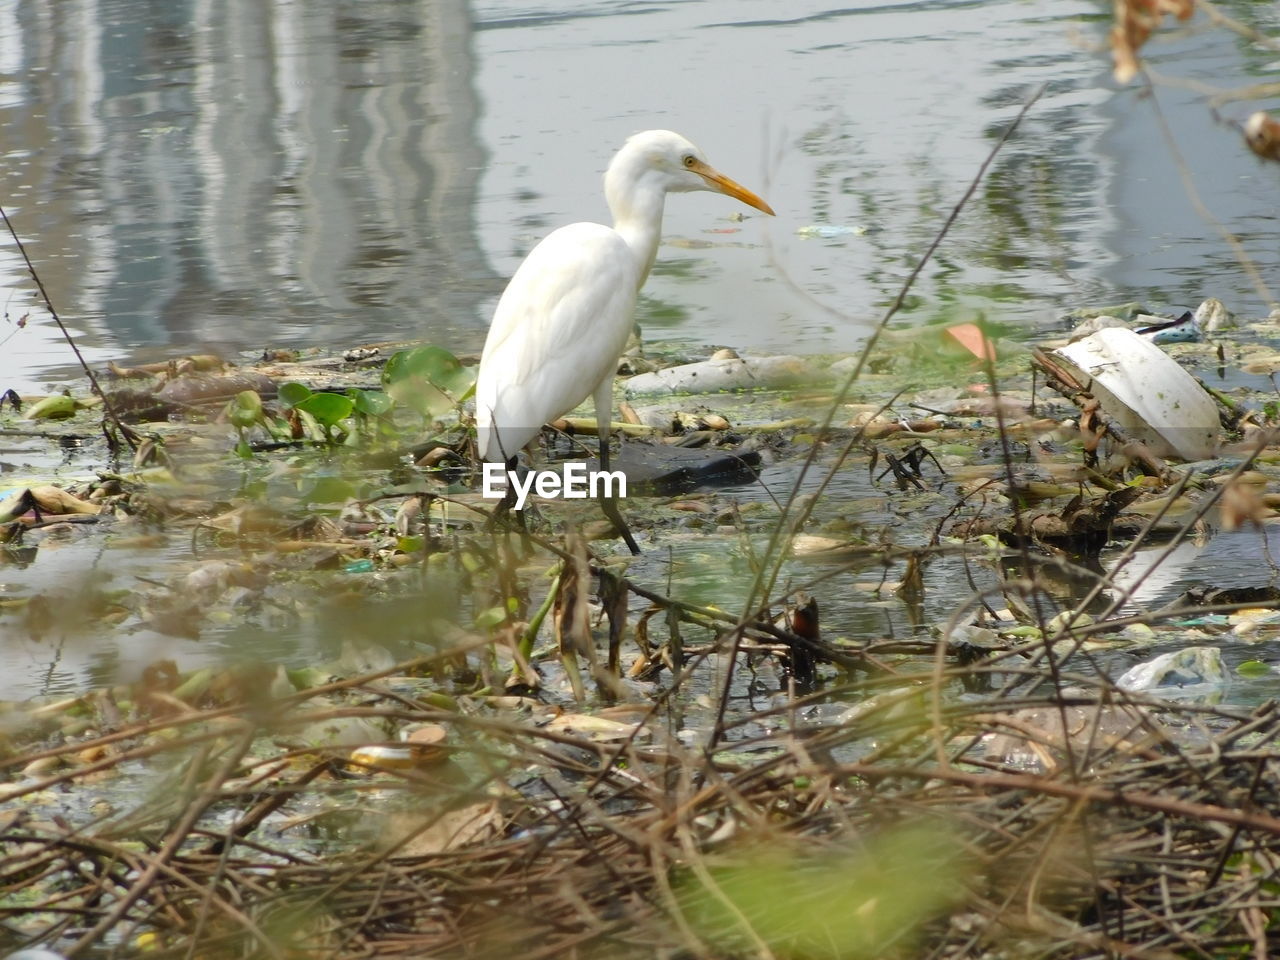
(565,316)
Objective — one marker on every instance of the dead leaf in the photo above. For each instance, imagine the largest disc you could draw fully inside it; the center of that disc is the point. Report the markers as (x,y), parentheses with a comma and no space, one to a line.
(198,362)
(449,831)
(200,388)
(1135,21)
(246,519)
(1242,505)
(595,728)
(50,499)
(971,337)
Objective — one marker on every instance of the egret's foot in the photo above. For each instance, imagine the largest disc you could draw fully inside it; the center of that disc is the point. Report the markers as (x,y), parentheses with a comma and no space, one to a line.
(505,506)
(610,507)
(504,518)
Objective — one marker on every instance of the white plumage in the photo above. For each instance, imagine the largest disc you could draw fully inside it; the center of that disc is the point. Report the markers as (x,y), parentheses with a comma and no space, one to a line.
(565,316)
(556,335)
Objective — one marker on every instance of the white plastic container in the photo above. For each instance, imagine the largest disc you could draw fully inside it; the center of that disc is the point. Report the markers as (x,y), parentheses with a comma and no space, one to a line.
(1145,392)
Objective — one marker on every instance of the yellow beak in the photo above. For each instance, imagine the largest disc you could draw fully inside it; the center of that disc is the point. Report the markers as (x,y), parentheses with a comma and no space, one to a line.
(732,188)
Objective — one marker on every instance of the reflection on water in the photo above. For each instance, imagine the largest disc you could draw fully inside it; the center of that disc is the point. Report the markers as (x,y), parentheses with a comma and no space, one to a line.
(240,174)
(195,174)
(231,175)
(1236,559)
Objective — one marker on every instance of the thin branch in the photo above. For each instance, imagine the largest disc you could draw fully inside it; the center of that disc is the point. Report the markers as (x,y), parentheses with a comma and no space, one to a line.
(130,437)
(764,582)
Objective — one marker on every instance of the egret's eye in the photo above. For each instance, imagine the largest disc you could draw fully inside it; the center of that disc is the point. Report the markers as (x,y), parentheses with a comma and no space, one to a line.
(689,161)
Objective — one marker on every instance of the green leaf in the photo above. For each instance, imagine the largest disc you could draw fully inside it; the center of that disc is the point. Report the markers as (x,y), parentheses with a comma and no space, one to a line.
(329,490)
(410,544)
(245,409)
(371,403)
(848,903)
(493,617)
(1027,632)
(292,394)
(195,685)
(327,408)
(428,380)
(1253,668)
(57,407)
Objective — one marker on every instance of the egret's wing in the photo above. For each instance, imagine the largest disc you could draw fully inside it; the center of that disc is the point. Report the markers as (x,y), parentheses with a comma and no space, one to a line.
(557,332)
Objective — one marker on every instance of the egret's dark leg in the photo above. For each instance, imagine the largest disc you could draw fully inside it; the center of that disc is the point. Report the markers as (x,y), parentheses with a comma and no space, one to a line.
(513,464)
(509,498)
(603,398)
(508,501)
(609,504)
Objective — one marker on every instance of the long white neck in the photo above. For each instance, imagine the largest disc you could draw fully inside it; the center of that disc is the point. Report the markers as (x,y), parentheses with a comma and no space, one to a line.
(636,205)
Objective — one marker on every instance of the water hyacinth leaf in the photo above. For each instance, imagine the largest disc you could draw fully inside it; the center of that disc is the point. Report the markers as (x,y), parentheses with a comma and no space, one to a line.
(304,678)
(1253,668)
(57,407)
(493,617)
(327,489)
(245,409)
(291,394)
(371,403)
(428,380)
(328,408)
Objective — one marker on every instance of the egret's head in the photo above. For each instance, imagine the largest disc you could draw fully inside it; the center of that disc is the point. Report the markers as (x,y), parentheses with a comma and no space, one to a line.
(664,162)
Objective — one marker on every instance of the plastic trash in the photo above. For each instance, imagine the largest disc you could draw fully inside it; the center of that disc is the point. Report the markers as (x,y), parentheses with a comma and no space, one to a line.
(1191,671)
(1146,392)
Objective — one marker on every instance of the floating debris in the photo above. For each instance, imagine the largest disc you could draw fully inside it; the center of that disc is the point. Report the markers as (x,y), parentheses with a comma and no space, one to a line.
(1189,672)
(1185,329)
(1262,134)
(723,373)
(832,231)
(1144,390)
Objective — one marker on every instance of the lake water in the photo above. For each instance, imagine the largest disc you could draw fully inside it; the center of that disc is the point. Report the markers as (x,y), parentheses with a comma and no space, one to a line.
(196,176)
(229,176)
